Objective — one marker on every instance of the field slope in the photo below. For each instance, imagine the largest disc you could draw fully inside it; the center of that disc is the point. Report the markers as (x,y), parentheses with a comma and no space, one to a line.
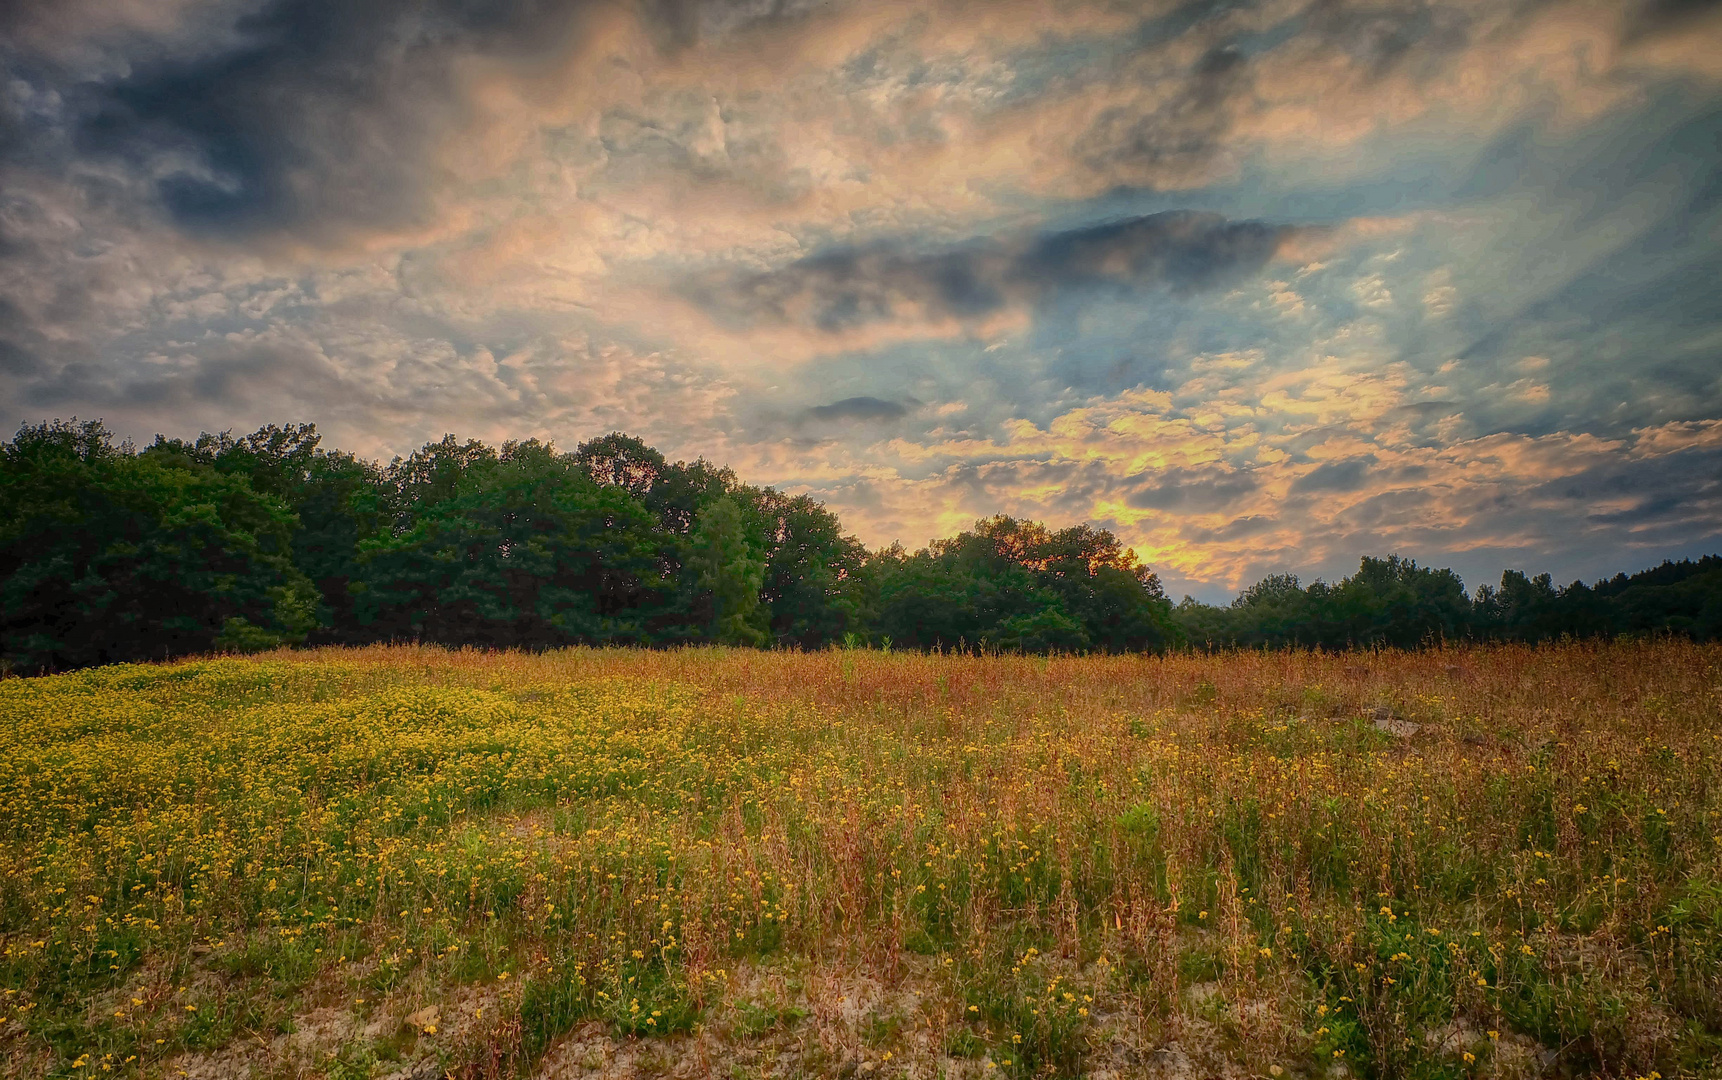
(409,862)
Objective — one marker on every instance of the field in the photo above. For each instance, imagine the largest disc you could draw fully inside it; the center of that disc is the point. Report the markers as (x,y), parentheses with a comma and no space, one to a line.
(410,862)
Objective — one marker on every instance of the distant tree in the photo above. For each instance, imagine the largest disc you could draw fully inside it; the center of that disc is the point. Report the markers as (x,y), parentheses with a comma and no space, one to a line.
(1047,630)
(1390,601)
(339,500)
(1394,601)
(938,600)
(341,503)
(1522,609)
(813,589)
(248,541)
(108,555)
(276,459)
(433,474)
(1013,584)
(1118,602)
(618,460)
(1275,611)
(673,495)
(730,572)
(681,489)
(1204,626)
(1683,597)
(1275,590)
(519,548)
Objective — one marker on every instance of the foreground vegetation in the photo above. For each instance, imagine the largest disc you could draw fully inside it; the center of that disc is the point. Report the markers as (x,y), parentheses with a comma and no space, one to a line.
(399,861)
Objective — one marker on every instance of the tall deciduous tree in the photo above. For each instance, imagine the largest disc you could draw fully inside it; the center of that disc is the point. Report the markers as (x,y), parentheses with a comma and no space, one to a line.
(1017,585)
(519,548)
(107,554)
(812,588)
(339,499)
(730,572)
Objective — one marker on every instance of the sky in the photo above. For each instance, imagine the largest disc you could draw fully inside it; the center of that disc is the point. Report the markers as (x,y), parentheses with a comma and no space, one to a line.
(1262,287)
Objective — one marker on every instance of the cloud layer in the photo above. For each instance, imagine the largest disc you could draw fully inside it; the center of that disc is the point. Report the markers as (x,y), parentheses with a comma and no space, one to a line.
(1262,286)
(892,282)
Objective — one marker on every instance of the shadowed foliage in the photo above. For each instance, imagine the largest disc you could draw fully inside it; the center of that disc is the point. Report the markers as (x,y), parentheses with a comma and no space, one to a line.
(247,542)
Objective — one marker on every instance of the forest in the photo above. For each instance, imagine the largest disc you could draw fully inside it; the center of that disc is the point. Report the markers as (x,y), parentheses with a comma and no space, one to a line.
(113,553)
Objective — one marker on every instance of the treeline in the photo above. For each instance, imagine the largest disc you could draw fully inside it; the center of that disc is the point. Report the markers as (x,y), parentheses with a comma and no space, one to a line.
(1395,602)
(111,553)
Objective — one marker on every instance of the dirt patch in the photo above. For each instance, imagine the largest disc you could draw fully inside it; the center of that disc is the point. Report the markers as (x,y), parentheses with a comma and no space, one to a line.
(800,1018)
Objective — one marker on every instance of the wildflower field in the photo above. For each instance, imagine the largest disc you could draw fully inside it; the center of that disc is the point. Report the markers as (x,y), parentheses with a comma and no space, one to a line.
(410,862)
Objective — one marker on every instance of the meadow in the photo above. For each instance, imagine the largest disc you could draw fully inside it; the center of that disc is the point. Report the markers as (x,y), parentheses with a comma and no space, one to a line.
(1501,861)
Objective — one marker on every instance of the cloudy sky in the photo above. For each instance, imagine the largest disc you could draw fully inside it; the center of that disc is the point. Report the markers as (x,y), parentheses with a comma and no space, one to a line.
(1261,286)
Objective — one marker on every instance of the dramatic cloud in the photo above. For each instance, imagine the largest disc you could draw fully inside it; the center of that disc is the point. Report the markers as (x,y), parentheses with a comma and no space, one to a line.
(835,289)
(1262,286)
(858,408)
(311,116)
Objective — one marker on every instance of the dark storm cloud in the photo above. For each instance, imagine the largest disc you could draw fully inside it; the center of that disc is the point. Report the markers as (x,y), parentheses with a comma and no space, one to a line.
(1660,16)
(1421,411)
(1643,494)
(1630,329)
(1186,129)
(229,379)
(20,342)
(1337,476)
(1239,528)
(1164,140)
(1178,250)
(859,408)
(16,360)
(320,112)
(1195,490)
(1384,36)
(306,116)
(1646,510)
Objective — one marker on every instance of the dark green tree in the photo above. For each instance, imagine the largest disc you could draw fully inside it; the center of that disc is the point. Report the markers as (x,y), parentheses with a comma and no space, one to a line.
(519,548)
(618,460)
(432,475)
(232,541)
(341,503)
(1017,585)
(812,589)
(109,555)
(935,599)
(730,571)
(339,500)
(1394,601)
(275,459)
(1683,597)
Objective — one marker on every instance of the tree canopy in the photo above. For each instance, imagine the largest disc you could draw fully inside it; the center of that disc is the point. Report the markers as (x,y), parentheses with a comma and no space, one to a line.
(109,553)
(1017,585)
